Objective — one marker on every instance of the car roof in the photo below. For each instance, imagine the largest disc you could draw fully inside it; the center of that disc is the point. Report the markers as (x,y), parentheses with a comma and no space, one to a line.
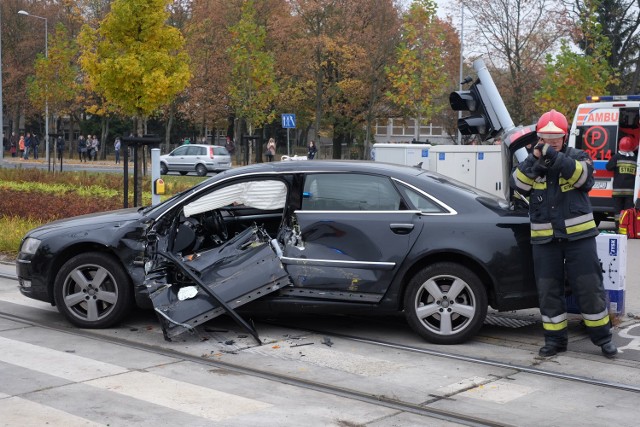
(413,175)
(344,166)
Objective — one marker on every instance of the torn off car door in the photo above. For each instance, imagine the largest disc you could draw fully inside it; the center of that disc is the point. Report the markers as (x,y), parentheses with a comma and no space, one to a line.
(205,285)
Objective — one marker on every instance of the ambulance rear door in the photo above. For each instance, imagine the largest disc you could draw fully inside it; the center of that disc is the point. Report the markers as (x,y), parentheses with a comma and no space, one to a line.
(596,129)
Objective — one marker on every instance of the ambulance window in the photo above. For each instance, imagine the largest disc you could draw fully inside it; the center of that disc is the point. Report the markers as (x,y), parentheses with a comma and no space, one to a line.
(598,140)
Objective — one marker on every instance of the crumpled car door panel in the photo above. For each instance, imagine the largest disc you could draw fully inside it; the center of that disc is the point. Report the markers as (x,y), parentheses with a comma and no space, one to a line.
(241,270)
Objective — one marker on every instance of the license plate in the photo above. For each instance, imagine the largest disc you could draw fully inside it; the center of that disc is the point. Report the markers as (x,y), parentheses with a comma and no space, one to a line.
(600,185)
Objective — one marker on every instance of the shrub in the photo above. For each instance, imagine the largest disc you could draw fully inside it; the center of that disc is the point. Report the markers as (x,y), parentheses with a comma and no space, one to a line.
(32,197)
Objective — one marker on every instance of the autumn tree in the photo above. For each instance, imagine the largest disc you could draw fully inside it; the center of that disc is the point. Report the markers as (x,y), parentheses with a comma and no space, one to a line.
(419,75)
(571,76)
(446,117)
(134,59)
(252,88)
(205,101)
(618,21)
(377,31)
(55,79)
(514,36)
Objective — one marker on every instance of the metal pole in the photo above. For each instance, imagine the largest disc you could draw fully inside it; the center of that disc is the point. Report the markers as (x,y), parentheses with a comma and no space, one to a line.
(1,111)
(288,151)
(155,174)
(46,94)
(461,58)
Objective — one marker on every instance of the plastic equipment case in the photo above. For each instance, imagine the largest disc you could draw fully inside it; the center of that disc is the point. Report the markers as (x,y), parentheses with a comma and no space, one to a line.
(612,251)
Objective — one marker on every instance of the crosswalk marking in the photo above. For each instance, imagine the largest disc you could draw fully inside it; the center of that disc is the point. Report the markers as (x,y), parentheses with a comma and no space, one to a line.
(193,399)
(178,395)
(15,411)
(57,363)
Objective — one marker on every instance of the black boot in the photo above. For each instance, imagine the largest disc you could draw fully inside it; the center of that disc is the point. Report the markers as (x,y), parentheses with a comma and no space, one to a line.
(609,350)
(551,349)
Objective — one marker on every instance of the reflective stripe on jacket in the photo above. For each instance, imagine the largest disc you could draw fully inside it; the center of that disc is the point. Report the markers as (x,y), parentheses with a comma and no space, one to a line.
(558,196)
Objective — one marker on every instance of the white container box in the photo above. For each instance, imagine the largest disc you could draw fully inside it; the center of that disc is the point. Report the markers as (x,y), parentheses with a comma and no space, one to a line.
(612,252)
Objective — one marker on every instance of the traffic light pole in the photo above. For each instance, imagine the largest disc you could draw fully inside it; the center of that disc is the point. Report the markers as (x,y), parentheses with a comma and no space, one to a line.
(497,103)
(493,95)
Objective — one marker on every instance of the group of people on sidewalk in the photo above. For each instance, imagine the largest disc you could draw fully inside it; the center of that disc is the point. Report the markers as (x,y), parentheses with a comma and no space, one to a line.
(23,146)
(88,148)
(270,152)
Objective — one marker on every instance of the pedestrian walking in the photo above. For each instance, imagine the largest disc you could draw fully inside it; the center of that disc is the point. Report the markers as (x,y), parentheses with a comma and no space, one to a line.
(93,150)
(27,146)
(116,149)
(312,150)
(79,148)
(271,150)
(13,144)
(21,146)
(35,145)
(557,180)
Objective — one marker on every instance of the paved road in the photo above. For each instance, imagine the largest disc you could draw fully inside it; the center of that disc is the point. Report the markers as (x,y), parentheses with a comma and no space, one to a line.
(56,375)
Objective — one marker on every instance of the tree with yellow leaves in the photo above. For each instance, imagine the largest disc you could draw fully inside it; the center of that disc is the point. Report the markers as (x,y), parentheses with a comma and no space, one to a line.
(134,60)
(419,75)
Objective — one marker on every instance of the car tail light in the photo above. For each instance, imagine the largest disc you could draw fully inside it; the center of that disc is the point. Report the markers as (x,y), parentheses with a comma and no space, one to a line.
(211,153)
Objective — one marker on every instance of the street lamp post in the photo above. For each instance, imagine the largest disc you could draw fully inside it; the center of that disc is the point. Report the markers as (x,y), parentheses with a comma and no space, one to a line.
(1,110)
(46,95)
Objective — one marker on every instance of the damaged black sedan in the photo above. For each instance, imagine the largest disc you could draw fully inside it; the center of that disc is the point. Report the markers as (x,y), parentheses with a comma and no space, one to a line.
(292,237)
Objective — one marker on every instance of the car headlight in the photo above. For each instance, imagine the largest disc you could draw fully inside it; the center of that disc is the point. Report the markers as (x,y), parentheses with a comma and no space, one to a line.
(30,245)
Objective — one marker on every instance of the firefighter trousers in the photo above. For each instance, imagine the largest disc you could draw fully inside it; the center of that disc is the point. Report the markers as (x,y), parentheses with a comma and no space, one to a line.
(578,262)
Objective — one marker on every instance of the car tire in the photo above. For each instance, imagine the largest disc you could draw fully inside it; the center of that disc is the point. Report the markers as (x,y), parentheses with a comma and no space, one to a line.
(441,318)
(163,169)
(88,304)
(201,170)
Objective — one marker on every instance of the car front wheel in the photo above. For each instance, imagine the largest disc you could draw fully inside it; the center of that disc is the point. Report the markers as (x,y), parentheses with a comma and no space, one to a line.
(92,291)
(163,169)
(445,303)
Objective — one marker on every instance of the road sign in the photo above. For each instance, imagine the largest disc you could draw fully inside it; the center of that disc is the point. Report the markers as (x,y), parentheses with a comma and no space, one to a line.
(289,121)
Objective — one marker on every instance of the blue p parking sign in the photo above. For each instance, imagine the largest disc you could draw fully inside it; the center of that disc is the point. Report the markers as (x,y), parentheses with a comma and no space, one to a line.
(289,121)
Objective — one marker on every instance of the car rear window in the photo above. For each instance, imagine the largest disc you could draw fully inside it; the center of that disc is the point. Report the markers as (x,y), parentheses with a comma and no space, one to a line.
(220,151)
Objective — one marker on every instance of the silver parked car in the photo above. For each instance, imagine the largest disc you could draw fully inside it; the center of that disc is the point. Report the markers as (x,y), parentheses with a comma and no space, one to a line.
(197,158)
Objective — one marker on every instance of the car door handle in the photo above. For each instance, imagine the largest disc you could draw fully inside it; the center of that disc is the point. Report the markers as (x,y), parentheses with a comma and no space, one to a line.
(401,228)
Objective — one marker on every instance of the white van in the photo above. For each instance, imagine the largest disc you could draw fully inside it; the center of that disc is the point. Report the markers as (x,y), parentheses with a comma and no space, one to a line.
(597,127)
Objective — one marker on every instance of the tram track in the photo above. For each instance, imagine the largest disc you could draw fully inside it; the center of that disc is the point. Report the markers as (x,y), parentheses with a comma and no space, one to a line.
(420,409)
(373,399)
(476,360)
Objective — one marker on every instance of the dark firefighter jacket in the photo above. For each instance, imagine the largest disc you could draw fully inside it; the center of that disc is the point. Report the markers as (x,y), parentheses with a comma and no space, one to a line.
(624,173)
(559,204)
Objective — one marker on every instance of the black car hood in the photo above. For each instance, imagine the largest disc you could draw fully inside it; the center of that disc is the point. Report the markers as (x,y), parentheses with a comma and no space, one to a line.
(89,221)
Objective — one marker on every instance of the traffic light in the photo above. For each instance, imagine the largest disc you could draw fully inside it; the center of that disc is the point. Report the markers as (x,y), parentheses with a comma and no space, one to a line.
(484,121)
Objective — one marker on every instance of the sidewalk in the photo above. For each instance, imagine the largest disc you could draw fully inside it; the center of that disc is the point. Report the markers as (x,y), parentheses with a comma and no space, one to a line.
(17,161)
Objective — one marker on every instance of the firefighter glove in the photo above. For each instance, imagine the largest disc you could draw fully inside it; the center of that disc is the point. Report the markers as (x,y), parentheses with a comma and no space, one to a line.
(548,153)
(539,168)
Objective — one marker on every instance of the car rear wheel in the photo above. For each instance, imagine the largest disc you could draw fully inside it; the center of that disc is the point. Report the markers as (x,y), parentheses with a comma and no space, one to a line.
(163,169)
(445,303)
(92,291)
(201,170)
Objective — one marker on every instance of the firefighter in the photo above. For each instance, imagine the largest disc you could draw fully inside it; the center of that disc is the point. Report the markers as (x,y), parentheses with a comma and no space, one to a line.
(623,165)
(557,180)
